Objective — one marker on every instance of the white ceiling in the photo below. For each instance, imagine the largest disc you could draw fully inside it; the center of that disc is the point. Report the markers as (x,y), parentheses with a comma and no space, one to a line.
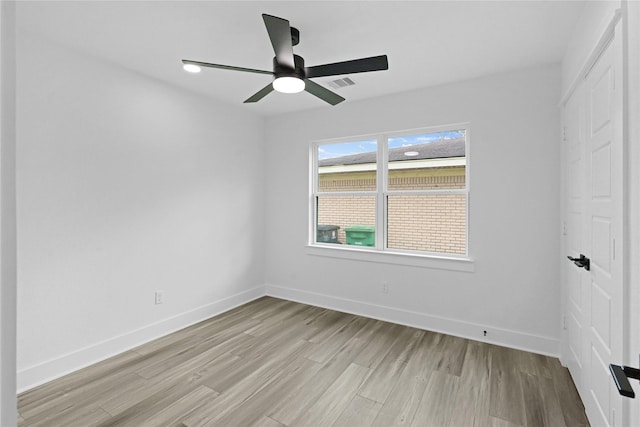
(428,42)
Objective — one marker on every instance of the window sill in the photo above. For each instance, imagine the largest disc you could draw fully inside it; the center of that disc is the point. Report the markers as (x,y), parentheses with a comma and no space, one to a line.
(398,258)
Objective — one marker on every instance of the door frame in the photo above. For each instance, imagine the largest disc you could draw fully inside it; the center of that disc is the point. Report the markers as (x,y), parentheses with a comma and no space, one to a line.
(8,269)
(631,21)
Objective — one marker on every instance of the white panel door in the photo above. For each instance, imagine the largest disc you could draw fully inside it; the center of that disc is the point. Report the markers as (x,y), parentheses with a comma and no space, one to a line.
(604,236)
(593,218)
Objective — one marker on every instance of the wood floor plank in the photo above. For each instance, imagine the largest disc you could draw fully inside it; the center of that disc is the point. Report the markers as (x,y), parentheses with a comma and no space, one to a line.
(277,363)
(275,306)
(569,399)
(437,403)
(83,396)
(330,405)
(188,352)
(54,393)
(168,382)
(498,422)
(540,402)
(74,416)
(404,399)
(141,410)
(330,346)
(472,398)
(176,412)
(276,320)
(269,343)
(247,386)
(535,364)
(267,422)
(360,412)
(300,398)
(452,351)
(332,322)
(387,373)
(299,371)
(264,357)
(507,401)
(379,346)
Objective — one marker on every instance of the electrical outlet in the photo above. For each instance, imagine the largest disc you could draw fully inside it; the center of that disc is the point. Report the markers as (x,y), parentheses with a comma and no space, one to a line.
(385,288)
(159,297)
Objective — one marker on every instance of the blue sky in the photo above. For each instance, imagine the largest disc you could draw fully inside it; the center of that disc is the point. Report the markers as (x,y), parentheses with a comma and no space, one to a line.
(329,151)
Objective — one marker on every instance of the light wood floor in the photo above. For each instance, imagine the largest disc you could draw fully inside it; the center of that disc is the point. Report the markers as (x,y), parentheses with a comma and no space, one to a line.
(275,363)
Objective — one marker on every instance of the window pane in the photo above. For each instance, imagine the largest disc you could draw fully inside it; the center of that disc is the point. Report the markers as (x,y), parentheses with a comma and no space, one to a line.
(427,161)
(427,222)
(349,166)
(346,220)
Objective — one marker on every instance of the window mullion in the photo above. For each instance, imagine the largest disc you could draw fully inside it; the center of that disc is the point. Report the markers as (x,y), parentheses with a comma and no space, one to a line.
(313,200)
(381,187)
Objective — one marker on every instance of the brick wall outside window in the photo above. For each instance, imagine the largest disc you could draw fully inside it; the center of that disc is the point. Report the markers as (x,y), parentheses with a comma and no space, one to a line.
(433,222)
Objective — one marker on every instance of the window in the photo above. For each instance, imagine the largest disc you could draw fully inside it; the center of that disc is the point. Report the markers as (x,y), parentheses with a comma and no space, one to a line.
(402,192)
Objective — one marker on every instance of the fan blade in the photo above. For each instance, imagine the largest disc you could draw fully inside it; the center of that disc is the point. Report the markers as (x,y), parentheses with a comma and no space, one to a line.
(322,93)
(225,67)
(374,63)
(260,94)
(280,35)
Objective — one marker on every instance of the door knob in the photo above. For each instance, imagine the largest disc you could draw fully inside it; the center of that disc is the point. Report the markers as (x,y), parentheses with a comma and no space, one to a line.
(582,262)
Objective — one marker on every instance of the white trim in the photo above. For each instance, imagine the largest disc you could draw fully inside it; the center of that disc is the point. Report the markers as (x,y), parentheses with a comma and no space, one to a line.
(382,179)
(55,368)
(603,41)
(360,167)
(412,259)
(632,145)
(8,269)
(437,192)
(382,192)
(428,163)
(505,337)
(347,193)
(396,165)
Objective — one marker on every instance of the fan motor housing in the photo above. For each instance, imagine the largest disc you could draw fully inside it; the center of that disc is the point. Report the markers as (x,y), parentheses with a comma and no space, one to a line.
(284,71)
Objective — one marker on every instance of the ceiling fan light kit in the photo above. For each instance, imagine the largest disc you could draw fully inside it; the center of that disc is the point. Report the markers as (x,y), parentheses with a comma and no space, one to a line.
(288,84)
(290,74)
(191,68)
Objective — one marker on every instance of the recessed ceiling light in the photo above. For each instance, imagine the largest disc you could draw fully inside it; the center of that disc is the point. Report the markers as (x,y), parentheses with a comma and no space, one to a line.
(191,68)
(411,153)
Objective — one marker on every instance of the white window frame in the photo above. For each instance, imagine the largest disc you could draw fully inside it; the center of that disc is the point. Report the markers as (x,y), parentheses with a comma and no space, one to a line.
(380,252)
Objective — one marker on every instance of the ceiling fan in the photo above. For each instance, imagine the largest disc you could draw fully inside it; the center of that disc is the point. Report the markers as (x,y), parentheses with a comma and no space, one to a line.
(290,74)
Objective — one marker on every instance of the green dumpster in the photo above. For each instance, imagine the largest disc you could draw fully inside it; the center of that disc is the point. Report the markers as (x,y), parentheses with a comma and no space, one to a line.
(361,235)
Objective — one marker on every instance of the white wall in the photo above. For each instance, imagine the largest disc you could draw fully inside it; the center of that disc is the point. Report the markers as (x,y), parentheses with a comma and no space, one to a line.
(7,215)
(514,292)
(126,186)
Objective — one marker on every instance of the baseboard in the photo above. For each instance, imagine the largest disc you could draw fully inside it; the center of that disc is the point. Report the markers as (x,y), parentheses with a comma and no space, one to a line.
(44,372)
(499,336)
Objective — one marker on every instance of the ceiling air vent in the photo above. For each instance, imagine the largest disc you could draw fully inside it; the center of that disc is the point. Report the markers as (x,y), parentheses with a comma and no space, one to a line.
(340,83)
